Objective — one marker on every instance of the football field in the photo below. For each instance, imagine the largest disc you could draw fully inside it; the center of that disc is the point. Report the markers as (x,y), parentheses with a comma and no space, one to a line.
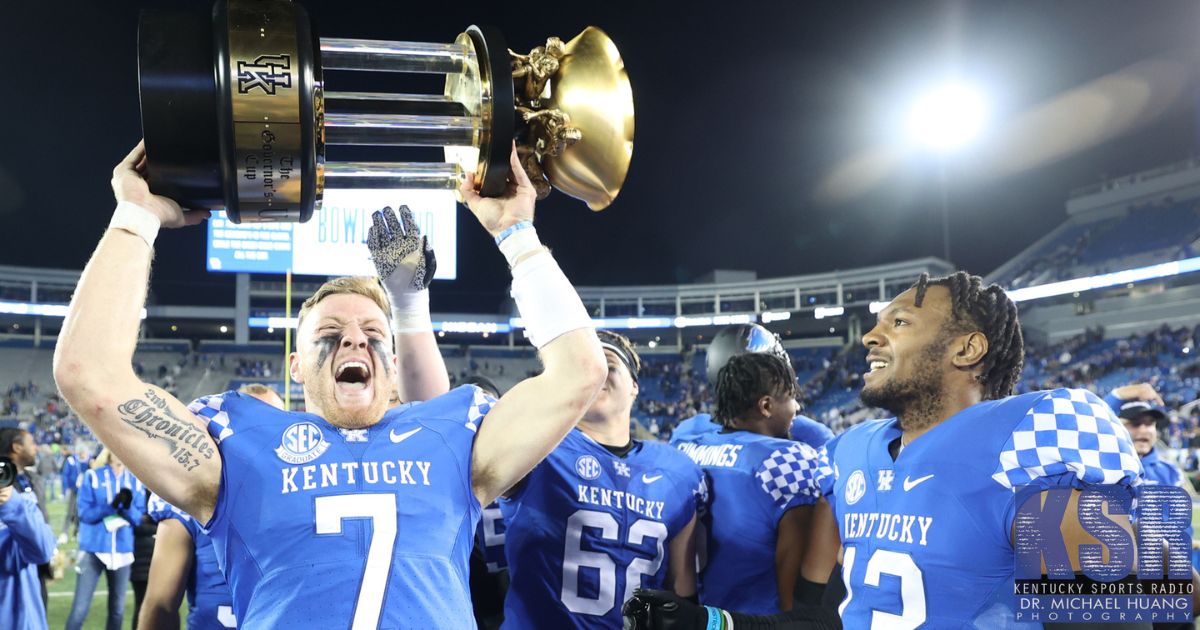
(62,591)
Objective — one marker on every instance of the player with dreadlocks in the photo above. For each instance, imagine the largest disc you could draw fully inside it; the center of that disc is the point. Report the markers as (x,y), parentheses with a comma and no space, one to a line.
(762,486)
(925,501)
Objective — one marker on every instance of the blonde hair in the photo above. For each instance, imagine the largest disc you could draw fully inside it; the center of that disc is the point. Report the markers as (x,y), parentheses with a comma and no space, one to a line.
(256,389)
(365,286)
(631,358)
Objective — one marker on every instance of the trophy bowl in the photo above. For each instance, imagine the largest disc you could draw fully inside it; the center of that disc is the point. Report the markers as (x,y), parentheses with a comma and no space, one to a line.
(237,111)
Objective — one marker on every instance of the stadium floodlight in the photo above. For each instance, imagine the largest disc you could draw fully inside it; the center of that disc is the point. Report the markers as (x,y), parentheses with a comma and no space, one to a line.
(948,117)
(684,321)
(821,312)
(1103,281)
(452,326)
(483,328)
(39,309)
(875,307)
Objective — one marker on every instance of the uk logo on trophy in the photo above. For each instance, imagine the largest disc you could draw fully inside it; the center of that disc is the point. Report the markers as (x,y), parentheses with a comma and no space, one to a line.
(568,105)
(268,72)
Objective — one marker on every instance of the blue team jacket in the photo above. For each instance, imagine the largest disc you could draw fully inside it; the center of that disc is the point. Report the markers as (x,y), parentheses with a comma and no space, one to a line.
(25,542)
(96,494)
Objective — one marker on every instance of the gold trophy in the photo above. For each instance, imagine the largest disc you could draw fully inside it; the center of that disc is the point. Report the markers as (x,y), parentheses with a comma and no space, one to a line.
(236,112)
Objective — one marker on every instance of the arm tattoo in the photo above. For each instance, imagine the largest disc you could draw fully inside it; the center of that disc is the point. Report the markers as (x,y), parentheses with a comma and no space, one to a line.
(187,443)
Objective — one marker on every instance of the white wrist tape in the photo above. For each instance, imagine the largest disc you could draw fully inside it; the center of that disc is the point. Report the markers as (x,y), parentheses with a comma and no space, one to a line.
(410,312)
(517,241)
(136,220)
(546,300)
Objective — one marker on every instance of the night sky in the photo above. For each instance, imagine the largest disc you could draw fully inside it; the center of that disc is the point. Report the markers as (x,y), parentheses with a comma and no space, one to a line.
(746,111)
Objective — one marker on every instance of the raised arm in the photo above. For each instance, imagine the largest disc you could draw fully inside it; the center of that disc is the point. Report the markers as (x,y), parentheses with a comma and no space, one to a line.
(152,432)
(406,263)
(533,417)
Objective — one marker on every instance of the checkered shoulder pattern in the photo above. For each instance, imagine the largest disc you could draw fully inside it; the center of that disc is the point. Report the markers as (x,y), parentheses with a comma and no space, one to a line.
(481,404)
(826,472)
(701,494)
(1069,431)
(211,411)
(789,475)
(158,509)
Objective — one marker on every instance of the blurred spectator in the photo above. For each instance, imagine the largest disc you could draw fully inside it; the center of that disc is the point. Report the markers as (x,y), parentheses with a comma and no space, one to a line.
(26,541)
(71,471)
(111,502)
(143,551)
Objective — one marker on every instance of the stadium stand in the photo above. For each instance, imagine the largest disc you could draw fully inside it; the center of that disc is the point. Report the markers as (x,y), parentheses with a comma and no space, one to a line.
(1123,223)
(1146,333)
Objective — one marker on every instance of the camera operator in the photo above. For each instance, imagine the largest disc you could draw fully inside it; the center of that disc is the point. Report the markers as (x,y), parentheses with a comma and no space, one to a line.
(26,541)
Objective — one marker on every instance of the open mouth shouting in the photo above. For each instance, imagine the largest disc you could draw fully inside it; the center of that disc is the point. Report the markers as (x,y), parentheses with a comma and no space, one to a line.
(353,377)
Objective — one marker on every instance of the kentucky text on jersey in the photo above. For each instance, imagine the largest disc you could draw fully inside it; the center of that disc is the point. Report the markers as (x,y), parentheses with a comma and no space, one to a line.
(927,536)
(384,516)
(607,497)
(899,527)
(320,476)
(587,527)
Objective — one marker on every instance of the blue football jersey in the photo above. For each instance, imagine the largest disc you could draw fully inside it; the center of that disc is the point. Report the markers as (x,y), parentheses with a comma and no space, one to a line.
(490,537)
(587,527)
(698,424)
(210,606)
(810,432)
(804,429)
(927,538)
(752,481)
(321,527)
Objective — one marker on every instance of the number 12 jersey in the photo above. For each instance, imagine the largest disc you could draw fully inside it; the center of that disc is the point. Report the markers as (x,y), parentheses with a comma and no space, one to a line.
(927,537)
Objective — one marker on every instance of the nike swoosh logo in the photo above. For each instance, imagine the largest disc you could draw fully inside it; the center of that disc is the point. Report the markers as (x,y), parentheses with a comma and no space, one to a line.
(909,484)
(396,439)
(646,479)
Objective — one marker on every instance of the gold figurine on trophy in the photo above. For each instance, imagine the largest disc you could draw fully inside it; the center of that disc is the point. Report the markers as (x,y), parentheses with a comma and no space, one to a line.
(575,117)
(244,126)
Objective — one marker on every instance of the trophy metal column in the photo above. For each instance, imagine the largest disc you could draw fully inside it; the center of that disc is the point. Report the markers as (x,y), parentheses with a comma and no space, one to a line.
(236,115)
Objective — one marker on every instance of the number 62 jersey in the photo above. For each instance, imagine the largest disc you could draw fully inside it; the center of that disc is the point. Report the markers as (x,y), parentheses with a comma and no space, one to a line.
(587,527)
(927,537)
(321,527)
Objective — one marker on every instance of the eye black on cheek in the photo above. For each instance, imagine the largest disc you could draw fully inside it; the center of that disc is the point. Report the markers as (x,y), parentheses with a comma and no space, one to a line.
(381,348)
(326,344)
